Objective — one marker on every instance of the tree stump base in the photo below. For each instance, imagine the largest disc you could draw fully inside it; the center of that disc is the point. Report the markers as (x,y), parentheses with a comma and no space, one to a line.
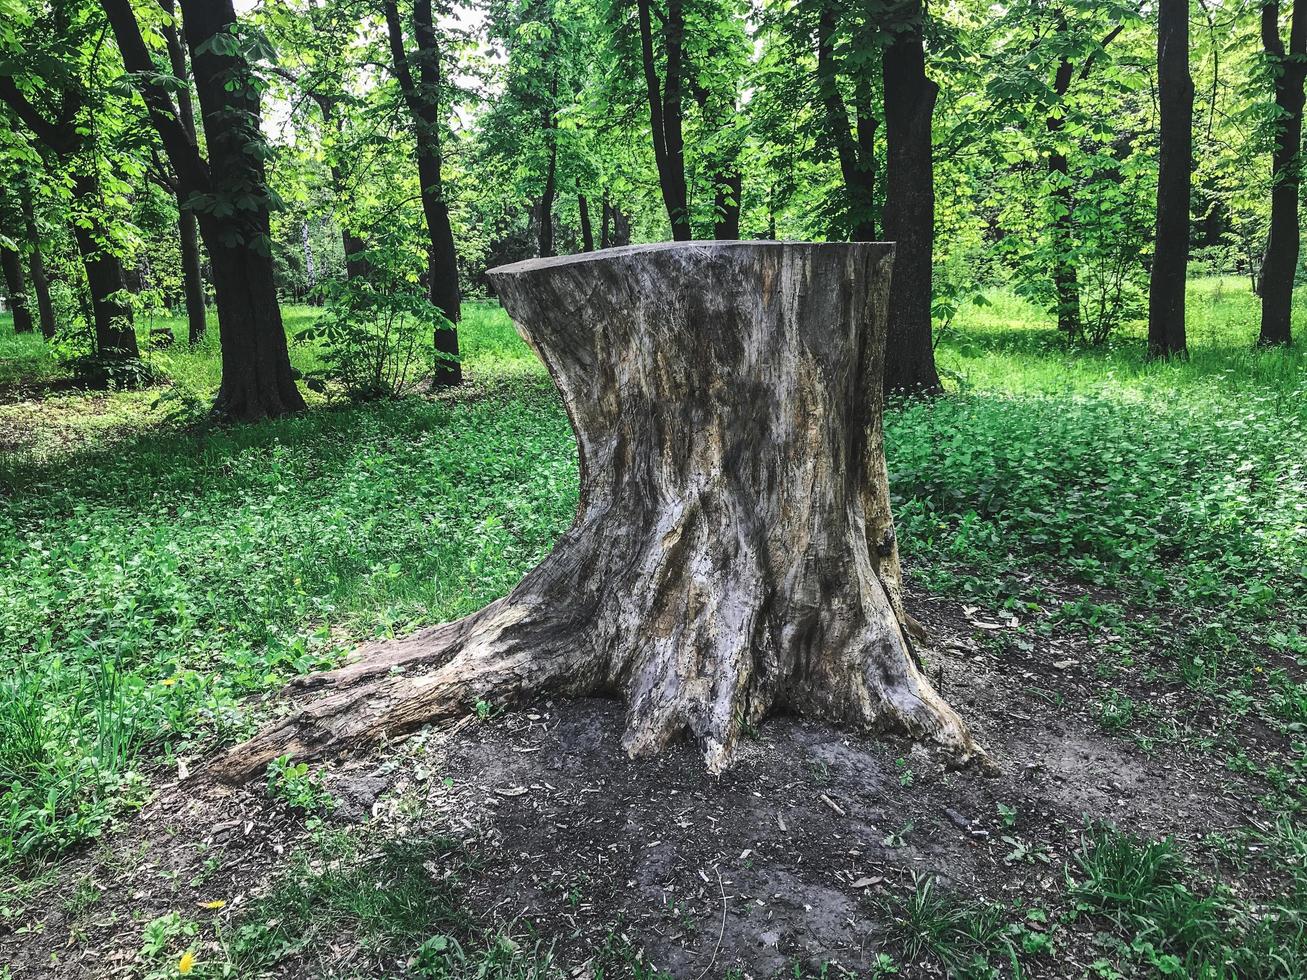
(726,402)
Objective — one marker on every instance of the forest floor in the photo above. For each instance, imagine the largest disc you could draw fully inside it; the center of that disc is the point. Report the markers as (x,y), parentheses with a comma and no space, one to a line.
(1109,556)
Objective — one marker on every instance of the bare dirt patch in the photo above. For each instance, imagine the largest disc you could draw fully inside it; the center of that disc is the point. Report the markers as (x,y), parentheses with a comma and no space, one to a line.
(784,859)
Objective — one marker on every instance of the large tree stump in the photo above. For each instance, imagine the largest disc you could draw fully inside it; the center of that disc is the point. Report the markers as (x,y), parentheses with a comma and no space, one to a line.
(726,403)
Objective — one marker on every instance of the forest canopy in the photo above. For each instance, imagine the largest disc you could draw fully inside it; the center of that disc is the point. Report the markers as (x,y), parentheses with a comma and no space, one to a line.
(154,155)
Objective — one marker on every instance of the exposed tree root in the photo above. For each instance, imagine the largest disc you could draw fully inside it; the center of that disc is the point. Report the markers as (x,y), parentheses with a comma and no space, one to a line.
(732,554)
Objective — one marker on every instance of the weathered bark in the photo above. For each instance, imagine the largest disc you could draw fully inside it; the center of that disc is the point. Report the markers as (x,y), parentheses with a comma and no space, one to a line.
(188,230)
(423,94)
(726,408)
(587,232)
(1280,266)
(16,288)
(36,263)
(665,110)
(909,219)
(1166,288)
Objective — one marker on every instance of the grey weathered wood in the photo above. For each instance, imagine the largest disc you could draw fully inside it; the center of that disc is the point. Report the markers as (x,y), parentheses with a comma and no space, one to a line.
(726,403)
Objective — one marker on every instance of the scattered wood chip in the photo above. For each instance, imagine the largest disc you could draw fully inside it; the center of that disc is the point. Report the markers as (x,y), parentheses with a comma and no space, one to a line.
(511,790)
(867,882)
(833,805)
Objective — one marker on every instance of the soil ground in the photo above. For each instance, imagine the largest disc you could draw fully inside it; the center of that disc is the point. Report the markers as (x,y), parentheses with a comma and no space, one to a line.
(781,865)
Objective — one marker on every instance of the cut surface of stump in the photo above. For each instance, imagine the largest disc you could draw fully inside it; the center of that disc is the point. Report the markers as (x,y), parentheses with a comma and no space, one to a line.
(732,553)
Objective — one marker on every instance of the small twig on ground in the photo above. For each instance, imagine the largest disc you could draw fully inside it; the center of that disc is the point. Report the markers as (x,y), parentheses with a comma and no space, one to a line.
(720,932)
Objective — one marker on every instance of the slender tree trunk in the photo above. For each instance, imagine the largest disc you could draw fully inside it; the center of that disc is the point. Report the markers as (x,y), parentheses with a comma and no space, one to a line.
(709,583)
(587,232)
(909,205)
(1166,291)
(192,278)
(1066,277)
(665,111)
(422,92)
(546,241)
(16,287)
(857,156)
(115,334)
(187,228)
(257,380)
(1280,266)
(605,218)
(36,262)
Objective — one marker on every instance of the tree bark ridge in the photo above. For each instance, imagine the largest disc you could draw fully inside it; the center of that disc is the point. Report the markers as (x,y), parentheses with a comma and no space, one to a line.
(725,401)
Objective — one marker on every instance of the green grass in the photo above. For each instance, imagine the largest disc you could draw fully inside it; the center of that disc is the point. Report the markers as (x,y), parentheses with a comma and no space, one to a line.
(158,582)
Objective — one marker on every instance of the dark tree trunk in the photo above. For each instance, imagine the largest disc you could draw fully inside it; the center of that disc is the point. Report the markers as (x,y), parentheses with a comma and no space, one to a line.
(1166,290)
(422,93)
(550,189)
(726,206)
(718,568)
(16,288)
(115,333)
(605,218)
(1066,277)
(857,156)
(192,280)
(187,227)
(621,227)
(1280,266)
(665,111)
(257,380)
(36,262)
(909,206)
(587,232)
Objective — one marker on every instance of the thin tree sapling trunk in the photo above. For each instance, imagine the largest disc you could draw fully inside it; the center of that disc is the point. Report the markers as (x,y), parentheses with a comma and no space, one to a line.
(909,219)
(1280,266)
(725,399)
(1166,289)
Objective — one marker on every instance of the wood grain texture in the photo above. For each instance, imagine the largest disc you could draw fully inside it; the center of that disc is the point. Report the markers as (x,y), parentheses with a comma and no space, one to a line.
(726,402)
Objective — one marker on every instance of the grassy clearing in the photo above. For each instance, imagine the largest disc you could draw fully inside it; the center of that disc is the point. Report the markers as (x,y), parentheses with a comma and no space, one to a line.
(156,580)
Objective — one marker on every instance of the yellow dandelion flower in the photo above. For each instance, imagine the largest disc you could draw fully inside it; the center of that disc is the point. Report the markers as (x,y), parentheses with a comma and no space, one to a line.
(217,903)
(187,963)
(168,682)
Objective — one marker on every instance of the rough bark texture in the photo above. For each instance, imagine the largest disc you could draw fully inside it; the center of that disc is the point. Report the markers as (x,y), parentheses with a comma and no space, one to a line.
(1283,241)
(909,219)
(726,409)
(16,288)
(1166,288)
